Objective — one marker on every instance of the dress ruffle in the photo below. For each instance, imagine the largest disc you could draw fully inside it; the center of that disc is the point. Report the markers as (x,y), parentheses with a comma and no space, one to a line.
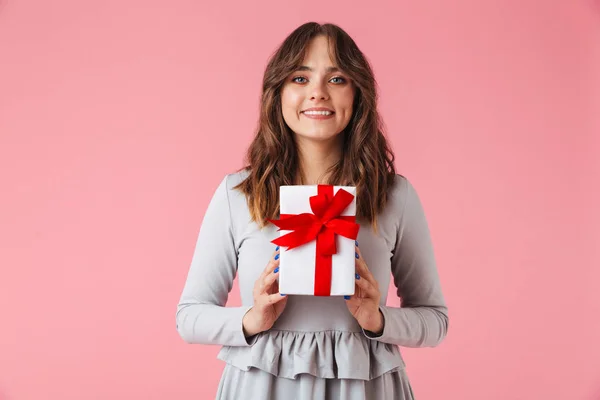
(324,354)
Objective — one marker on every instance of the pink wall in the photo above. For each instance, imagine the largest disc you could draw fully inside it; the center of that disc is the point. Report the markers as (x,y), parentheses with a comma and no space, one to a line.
(118,119)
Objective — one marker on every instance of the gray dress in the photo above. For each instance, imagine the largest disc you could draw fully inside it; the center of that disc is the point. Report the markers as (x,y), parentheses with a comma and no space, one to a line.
(316,349)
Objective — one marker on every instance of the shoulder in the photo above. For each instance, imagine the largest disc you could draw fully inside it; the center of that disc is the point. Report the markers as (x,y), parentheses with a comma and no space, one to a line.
(400,182)
(402,199)
(225,193)
(235,197)
(399,192)
(228,183)
(233,179)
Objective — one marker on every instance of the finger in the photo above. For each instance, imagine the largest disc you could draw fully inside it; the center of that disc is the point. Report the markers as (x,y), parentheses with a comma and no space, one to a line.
(274,298)
(367,287)
(362,267)
(269,280)
(272,264)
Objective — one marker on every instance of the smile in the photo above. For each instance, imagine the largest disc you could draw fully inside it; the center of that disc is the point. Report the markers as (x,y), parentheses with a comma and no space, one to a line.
(318,114)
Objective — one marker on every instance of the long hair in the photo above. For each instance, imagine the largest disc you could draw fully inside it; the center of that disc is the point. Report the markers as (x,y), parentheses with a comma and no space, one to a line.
(367,162)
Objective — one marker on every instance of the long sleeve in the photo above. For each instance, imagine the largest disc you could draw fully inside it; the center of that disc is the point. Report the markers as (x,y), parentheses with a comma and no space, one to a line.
(201,313)
(422,319)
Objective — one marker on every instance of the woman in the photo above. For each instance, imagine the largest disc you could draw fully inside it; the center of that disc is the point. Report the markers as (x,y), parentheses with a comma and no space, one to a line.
(309,347)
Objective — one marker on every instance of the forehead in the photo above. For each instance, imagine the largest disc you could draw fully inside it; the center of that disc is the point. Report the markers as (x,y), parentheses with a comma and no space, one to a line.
(319,52)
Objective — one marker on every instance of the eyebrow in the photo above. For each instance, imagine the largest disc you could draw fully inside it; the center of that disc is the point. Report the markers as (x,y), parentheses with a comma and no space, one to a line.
(328,70)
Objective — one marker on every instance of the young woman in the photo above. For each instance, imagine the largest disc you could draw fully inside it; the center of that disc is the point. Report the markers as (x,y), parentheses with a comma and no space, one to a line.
(318,124)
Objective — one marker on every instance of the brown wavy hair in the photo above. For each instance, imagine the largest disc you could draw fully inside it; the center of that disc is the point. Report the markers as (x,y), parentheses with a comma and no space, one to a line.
(367,162)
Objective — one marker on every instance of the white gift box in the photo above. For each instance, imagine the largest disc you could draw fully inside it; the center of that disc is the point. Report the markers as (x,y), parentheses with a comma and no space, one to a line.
(297,265)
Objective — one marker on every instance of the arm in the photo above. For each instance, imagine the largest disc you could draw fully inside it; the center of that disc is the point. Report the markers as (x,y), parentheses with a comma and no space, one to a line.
(201,313)
(422,321)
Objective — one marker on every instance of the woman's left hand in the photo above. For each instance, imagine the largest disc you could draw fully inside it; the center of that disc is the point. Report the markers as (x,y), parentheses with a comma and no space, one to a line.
(364,304)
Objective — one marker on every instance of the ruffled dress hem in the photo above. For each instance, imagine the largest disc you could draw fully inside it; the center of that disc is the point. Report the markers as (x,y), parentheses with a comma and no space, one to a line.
(323,354)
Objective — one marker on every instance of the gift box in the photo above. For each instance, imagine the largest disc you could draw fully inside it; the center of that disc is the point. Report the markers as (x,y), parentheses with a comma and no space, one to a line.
(317,239)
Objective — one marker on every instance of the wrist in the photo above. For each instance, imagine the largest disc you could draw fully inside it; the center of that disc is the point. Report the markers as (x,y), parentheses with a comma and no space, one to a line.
(249,325)
(378,324)
(381,322)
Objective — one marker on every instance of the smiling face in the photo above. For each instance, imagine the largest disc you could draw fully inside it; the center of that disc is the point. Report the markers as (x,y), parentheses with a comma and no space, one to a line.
(317,84)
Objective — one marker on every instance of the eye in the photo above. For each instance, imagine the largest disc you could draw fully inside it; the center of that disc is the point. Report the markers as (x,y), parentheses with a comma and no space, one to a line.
(339,77)
(343,80)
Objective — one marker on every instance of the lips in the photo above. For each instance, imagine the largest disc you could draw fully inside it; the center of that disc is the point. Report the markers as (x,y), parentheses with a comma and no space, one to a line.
(319,109)
(318,116)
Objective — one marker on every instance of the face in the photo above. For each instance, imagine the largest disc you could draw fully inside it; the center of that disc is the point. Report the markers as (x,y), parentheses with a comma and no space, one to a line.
(315,85)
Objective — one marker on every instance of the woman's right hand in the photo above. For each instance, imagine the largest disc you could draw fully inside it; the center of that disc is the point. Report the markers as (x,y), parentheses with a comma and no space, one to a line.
(268,302)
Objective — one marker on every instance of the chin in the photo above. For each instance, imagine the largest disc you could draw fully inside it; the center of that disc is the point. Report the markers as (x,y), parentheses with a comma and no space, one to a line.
(323,134)
(318,136)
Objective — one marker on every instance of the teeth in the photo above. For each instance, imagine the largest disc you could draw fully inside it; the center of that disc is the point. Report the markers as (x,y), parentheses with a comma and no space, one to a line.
(318,112)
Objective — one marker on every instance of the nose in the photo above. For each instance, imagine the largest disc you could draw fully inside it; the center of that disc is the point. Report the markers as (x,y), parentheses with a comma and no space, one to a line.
(318,91)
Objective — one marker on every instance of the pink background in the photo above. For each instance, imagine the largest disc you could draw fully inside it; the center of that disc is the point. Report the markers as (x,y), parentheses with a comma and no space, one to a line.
(118,119)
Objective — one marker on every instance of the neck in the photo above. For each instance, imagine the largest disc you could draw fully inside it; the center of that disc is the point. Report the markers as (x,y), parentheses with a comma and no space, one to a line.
(315,158)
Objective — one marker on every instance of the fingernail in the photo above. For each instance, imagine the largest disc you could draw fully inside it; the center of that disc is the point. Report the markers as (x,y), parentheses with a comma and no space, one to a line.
(347,297)
(277,256)
(276,248)
(356,255)
(357,276)
(282,294)
(276,270)
(356,241)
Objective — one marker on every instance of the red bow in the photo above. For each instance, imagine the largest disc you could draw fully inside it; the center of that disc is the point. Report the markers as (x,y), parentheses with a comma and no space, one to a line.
(322,225)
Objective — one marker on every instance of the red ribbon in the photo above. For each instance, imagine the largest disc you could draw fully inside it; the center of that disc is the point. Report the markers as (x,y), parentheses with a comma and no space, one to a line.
(322,225)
